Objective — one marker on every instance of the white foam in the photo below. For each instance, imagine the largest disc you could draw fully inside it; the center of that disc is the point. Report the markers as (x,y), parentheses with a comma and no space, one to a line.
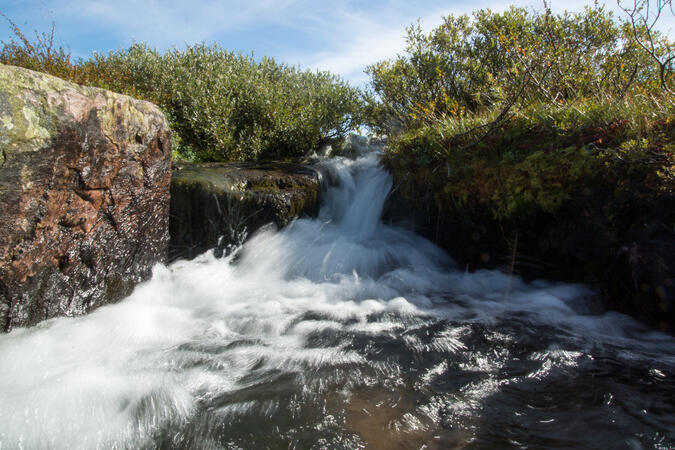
(116,376)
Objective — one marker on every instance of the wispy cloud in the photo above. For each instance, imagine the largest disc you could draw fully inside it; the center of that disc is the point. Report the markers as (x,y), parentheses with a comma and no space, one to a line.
(343,36)
(168,23)
(361,38)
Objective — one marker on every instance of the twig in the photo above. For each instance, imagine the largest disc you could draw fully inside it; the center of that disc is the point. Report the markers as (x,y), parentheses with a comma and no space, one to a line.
(500,118)
(512,266)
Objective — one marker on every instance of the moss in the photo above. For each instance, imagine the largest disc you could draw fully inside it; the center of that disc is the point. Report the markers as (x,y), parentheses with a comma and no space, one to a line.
(213,178)
(537,162)
(266,185)
(212,202)
(307,203)
(574,195)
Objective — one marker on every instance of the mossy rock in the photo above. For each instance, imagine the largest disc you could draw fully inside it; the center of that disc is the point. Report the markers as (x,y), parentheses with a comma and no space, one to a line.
(217,205)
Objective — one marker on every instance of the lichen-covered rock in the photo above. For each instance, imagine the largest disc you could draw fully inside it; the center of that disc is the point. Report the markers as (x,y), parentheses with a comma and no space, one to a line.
(84,196)
(215,205)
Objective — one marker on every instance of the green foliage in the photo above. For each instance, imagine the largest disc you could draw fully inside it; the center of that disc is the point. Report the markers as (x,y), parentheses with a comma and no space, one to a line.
(515,58)
(516,115)
(227,106)
(40,55)
(642,19)
(221,105)
(541,158)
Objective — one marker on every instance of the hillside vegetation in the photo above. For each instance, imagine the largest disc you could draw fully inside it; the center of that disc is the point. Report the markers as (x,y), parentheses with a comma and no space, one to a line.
(558,128)
(516,112)
(222,106)
(538,142)
(507,115)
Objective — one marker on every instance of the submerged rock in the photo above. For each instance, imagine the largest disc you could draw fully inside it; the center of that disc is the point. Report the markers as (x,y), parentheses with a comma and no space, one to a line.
(215,205)
(84,196)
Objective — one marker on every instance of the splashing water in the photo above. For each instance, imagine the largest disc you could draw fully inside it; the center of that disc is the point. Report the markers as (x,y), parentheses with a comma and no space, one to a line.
(339,332)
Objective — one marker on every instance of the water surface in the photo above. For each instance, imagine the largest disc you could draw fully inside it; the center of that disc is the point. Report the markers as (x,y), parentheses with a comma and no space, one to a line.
(339,332)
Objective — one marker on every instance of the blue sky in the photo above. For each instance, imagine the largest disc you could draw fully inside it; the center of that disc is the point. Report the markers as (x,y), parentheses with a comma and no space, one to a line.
(341,36)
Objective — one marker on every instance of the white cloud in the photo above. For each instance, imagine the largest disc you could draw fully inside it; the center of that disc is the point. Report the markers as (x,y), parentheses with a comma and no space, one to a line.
(361,40)
(168,23)
(342,36)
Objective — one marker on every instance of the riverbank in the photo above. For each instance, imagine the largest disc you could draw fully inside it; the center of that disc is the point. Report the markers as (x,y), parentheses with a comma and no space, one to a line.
(542,144)
(555,196)
(339,332)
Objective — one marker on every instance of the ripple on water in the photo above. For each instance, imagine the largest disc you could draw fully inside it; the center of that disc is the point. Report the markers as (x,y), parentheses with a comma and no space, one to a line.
(339,332)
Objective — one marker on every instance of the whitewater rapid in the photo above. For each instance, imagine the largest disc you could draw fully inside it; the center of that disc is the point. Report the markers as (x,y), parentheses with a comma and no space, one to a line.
(338,332)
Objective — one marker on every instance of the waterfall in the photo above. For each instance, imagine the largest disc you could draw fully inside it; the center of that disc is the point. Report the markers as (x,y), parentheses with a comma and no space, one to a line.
(338,332)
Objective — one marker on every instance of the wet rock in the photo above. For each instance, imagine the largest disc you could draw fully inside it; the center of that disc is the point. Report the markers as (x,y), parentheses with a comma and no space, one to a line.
(641,282)
(84,196)
(216,205)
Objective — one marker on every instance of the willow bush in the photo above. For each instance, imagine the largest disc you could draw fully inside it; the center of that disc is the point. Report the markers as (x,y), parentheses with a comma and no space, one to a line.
(516,113)
(487,61)
(222,106)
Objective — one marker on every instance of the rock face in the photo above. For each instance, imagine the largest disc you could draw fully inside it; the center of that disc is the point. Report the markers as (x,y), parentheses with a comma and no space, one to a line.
(630,260)
(216,205)
(84,196)
(641,282)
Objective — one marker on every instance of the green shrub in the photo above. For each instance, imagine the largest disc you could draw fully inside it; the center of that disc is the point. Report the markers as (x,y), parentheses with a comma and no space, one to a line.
(222,106)
(227,106)
(540,158)
(517,114)
(513,59)
(40,54)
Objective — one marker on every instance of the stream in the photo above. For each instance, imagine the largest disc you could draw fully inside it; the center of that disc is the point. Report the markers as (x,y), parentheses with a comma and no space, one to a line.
(339,332)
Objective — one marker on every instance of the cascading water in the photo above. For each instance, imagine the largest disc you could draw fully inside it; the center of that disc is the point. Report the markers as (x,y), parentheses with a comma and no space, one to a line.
(339,332)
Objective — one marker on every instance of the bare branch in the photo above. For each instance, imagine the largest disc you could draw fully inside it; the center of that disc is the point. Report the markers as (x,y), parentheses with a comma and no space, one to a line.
(646,36)
(492,126)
